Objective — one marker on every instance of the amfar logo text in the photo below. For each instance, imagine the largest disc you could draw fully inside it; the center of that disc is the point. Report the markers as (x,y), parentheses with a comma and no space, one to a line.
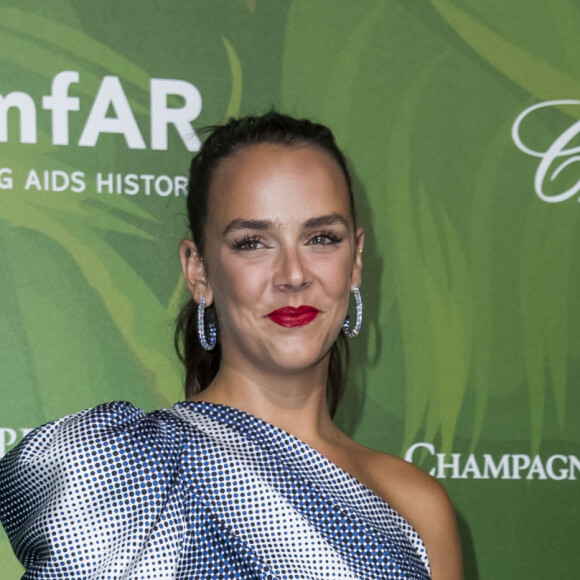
(556,157)
(508,466)
(109,96)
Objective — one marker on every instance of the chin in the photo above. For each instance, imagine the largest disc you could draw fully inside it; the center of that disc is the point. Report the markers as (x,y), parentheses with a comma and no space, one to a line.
(299,357)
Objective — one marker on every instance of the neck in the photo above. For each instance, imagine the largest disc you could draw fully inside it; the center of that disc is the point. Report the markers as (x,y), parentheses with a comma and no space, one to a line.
(293,402)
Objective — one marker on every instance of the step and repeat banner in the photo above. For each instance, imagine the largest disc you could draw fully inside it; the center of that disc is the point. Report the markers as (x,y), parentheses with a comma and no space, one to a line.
(461,120)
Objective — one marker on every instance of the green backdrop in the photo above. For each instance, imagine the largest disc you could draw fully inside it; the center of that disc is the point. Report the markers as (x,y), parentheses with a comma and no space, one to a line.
(460,120)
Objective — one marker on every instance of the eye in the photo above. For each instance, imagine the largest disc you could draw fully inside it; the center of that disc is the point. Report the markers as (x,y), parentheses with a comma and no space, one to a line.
(324,239)
(248,243)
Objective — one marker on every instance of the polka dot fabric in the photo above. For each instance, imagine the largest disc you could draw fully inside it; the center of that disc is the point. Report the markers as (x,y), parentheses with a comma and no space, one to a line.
(196,491)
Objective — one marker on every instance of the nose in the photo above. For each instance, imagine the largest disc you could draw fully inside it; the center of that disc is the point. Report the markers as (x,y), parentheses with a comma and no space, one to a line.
(290,271)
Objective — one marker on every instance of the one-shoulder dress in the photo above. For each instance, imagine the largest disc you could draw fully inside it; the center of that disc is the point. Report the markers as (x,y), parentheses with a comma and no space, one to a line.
(196,491)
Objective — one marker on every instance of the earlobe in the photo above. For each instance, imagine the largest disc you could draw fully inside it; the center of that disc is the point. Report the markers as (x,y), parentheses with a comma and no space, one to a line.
(194,271)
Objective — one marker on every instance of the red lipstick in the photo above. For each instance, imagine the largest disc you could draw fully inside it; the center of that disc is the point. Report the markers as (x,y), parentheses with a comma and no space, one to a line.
(290,316)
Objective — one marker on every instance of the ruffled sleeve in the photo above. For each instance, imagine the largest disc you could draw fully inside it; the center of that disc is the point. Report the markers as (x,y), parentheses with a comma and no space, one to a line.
(87,495)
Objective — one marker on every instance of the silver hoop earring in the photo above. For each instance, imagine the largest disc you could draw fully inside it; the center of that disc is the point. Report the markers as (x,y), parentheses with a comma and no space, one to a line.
(359,315)
(207,344)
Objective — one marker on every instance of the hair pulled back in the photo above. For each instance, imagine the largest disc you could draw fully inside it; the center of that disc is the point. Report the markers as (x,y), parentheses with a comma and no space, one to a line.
(226,140)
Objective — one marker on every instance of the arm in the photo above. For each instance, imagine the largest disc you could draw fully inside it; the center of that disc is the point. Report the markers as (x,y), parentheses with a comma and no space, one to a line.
(438,529)
(75,495)
(425,504)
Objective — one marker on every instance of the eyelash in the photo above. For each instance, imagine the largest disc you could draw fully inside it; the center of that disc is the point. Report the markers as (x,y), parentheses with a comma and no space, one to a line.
(330,236)
(245,243)
(249,243)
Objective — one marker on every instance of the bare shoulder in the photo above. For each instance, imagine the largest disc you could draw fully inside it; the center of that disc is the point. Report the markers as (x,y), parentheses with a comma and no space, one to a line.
(422,501)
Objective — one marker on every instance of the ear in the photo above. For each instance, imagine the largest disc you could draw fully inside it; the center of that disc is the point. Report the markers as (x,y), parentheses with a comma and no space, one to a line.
(357,266)
(194,272)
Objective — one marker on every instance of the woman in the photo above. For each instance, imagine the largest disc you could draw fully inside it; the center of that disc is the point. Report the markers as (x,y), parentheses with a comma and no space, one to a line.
(249,478)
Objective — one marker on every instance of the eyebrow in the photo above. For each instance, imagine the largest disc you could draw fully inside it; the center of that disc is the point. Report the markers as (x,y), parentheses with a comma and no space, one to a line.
(325,220)
(240,224)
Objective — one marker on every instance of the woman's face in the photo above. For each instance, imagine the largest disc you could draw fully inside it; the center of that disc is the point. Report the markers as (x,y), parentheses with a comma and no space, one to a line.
(281,256)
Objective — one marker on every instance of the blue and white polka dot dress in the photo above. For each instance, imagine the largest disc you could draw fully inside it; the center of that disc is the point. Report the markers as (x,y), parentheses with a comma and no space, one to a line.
(196,491)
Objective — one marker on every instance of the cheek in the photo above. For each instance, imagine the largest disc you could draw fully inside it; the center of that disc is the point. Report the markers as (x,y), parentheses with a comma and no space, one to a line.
(236,285)
(336,276)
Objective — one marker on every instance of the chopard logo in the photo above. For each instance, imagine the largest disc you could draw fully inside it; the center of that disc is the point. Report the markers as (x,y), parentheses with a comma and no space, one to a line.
(555,158)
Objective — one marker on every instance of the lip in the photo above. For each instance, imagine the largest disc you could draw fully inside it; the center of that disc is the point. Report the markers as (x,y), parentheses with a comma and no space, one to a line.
(290,316)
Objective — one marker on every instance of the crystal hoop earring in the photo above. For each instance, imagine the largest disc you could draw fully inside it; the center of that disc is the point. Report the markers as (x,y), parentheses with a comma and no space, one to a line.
(206,344)
(359,315)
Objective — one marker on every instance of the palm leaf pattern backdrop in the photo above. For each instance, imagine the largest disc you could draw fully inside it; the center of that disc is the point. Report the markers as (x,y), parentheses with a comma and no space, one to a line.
(469,338)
